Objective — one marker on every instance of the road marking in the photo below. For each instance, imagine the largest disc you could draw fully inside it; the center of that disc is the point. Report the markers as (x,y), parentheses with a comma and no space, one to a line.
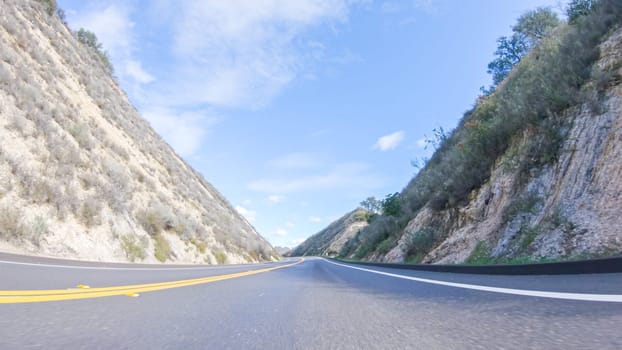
(128,268)
(615,298)
(31,296)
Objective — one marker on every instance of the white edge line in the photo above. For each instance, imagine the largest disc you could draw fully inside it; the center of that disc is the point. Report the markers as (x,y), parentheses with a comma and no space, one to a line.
(615,298)
(212,267)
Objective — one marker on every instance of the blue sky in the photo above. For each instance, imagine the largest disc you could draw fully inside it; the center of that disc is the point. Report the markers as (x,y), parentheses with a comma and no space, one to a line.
(296,110)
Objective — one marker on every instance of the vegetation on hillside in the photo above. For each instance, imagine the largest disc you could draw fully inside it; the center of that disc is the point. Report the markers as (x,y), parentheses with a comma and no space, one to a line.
(538,73)
(89,39)
(75,154)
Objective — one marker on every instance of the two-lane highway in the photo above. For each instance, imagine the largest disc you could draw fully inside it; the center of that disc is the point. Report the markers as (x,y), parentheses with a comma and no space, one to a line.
(313,304)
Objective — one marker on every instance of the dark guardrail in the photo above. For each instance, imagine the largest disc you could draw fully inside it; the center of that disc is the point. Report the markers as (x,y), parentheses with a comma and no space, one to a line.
(606,265)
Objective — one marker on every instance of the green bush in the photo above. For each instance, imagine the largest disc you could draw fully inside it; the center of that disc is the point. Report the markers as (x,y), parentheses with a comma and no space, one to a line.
(200,245)
(162,248)
(150,221)
(221,257)
(385,246)
(480,255)
(134,248)
(421,243)
(528,235)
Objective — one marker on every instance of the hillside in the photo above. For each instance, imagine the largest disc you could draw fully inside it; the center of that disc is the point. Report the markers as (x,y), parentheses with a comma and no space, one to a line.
(531,172)
(330,241)
(82,174)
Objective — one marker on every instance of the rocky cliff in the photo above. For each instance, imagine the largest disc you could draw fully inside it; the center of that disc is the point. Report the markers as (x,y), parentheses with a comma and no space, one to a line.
(82,174)
(532,172)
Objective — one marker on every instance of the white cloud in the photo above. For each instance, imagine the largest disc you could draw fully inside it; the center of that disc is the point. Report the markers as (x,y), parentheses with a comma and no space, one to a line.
(347,176)
(247,202)
(289,224)
(315,219)
(280,232)
(183,131)
(240,53)
(390,141)
(275,198)
(250,215)
(135,69)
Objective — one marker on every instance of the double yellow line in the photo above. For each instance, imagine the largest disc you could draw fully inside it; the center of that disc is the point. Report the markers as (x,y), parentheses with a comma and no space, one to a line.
(83,292)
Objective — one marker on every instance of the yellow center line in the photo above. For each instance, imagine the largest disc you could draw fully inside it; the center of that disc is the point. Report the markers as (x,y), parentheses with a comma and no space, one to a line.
(31,296)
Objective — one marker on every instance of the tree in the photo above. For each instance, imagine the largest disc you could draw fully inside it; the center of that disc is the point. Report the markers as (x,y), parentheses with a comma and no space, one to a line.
(536,24)
(578,8)
(372,204)
(391,205)
(529,30)
(509,52)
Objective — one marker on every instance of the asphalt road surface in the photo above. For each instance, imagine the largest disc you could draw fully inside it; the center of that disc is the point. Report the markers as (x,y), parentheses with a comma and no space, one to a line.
(294,304)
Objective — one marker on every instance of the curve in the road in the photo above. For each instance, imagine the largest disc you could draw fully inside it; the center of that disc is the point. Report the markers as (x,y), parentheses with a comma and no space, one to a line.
(617,298)
(31,296)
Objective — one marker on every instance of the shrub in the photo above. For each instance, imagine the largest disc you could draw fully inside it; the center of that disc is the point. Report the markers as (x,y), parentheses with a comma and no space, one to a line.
(480,255)
(134,248)
(151,221)
(81,134)
(200,245)
(422,242)
(11,225)
(385,246)
(363,215)
(529,235)
(89,212)
(162,248)
(221,257)
(38,229)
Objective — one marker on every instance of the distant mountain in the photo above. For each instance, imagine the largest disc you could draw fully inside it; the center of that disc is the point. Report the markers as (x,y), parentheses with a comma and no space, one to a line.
(82,174)
(532,171)
(330,241)
(283,251)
